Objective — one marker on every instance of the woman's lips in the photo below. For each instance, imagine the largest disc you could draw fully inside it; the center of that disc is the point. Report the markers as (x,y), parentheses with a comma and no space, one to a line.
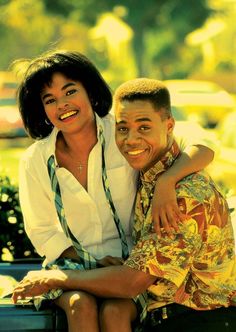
(67,115)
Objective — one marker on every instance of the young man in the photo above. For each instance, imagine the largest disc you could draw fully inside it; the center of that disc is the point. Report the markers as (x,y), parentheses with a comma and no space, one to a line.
(189,278)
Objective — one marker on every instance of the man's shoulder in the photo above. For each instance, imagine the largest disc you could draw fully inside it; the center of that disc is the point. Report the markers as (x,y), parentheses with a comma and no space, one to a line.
(198,186)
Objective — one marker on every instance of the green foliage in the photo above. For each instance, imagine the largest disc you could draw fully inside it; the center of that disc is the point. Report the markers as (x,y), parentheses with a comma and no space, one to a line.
(157,17)
(156,48)
(14,243)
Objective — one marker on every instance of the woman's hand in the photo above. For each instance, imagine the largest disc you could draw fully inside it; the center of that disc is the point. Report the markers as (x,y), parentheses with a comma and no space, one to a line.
(165,210)
(110,260)
(36,283)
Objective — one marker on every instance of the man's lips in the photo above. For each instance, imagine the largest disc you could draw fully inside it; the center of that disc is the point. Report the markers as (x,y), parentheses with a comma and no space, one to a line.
(67,115)
(135,152)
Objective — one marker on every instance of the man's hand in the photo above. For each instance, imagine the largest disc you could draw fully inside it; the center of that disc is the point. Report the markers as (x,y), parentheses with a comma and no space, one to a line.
(110,260)
(36,283)
(165,210)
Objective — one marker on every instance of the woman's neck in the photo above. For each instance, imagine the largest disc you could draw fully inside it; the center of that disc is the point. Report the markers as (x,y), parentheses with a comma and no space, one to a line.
(78,143)
(72,152)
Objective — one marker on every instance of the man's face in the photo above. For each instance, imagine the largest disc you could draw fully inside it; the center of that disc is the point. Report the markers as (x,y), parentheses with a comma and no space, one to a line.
(141,135)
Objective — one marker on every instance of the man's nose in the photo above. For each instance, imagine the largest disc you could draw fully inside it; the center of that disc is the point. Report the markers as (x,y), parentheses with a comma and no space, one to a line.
(132,138)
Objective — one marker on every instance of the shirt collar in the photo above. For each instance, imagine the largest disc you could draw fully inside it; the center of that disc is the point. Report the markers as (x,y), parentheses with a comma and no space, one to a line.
(162,165)
(99,124)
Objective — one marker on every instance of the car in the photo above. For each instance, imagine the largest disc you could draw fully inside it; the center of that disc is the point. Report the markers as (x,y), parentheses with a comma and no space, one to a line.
(202,101)
(223,168)
(11,125)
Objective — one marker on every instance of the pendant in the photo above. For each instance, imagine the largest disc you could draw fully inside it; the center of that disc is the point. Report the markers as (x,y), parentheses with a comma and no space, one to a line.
(80,168)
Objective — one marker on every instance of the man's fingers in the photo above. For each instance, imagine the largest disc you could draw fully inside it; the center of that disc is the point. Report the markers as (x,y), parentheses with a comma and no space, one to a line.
(110,260)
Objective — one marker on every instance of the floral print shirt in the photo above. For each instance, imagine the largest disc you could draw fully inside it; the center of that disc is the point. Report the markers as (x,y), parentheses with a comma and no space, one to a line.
(196,267)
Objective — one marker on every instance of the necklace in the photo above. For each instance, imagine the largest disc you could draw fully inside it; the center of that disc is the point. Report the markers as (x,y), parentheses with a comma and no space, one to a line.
(80,166)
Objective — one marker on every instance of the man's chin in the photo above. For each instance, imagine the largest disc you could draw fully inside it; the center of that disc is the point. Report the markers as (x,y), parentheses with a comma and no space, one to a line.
(136,166)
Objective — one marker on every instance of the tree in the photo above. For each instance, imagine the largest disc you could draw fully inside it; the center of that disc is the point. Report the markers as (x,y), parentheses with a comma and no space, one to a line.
(159,28)
(166,23)
(27,30)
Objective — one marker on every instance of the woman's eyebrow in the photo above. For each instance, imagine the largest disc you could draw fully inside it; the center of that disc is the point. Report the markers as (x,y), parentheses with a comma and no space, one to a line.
(67,85)
(46,95)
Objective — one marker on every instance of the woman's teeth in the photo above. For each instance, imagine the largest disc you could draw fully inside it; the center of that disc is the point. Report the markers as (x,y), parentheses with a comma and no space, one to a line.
(67,115)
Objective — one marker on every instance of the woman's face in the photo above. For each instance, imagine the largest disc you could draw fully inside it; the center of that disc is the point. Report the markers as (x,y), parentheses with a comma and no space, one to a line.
(67,105)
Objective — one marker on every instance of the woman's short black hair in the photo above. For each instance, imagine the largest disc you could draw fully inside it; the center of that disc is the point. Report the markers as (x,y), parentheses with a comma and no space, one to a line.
(73,65)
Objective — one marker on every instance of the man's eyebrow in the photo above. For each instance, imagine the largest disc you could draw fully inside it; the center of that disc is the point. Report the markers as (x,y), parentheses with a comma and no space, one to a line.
(121,121)
(44,96)
(137,120)
(143,119)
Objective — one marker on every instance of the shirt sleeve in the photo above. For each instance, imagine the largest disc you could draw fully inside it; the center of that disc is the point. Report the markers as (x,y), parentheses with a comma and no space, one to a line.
(190,133)
(40,218)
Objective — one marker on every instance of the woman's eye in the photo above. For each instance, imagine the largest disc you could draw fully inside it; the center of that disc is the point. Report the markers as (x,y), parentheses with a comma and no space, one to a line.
(49,101)
(70,92)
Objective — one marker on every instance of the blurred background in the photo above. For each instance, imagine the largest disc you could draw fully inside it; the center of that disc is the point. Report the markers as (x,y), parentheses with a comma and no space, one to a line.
(189,44)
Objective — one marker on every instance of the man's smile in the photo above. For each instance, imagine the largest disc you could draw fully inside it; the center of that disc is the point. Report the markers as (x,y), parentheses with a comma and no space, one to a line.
(135,152)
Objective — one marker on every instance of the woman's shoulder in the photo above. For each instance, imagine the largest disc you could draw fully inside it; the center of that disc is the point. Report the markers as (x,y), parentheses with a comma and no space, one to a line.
(109,119)
(36,150)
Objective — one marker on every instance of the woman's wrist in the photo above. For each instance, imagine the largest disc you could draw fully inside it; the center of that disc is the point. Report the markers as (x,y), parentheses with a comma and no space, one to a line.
(57,279)
(167,179)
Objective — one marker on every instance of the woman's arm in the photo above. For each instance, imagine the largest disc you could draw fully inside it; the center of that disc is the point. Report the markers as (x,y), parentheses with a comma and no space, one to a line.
(40,218)
(198,148)
(165,209)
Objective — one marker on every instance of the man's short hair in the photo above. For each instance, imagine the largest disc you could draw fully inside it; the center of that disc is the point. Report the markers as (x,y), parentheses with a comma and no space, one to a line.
(146,89)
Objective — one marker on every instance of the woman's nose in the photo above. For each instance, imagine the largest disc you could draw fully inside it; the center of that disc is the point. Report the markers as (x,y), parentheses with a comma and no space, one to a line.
(62,103)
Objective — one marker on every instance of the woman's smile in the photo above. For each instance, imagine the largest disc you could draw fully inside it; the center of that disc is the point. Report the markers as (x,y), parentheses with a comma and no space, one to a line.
(68,115)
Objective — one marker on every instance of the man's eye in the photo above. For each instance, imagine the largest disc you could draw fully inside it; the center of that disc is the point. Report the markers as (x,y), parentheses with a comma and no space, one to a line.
(144,128)
(71,92)
(122,130)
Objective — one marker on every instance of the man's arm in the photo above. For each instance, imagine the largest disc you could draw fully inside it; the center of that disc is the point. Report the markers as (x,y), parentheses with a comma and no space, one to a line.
(113,281)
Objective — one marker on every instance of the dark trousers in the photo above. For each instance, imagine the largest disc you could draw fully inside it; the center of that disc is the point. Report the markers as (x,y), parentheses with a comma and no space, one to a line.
(188,320)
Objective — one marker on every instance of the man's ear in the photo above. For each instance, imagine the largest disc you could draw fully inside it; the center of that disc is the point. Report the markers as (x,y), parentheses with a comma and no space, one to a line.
(170,125)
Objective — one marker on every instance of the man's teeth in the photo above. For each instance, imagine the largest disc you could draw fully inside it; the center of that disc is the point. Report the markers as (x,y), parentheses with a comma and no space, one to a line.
(67,115)
(134,153)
